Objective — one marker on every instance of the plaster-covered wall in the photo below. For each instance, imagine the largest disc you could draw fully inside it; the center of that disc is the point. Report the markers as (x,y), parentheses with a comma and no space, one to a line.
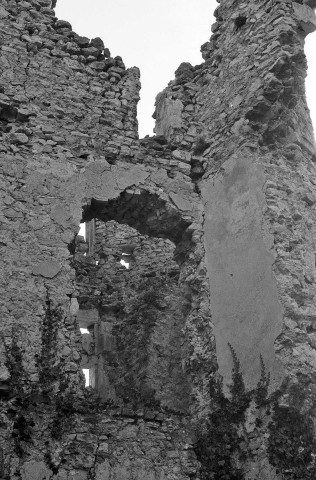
(246,311)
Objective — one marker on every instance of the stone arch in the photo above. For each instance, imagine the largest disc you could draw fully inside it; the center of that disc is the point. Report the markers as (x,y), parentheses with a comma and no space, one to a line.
(146,212)
(138,332)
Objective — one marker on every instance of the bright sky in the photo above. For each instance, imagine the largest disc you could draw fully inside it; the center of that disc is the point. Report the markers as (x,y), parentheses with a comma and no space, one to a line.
(156,36)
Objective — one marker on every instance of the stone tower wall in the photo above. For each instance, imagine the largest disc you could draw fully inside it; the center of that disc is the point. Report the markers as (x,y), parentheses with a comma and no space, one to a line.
(242,121)
(225,192)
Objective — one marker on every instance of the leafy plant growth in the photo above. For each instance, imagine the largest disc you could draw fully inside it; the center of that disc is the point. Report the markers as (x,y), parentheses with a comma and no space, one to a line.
(288,439)
(292,444)
(222,445)
(141,313)
(48,362)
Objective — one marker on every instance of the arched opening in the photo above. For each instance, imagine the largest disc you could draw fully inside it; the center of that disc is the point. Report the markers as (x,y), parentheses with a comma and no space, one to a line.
(142,210)
(132,320)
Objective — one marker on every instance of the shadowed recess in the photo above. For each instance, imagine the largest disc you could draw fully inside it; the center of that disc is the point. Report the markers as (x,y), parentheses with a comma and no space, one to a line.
(145,212)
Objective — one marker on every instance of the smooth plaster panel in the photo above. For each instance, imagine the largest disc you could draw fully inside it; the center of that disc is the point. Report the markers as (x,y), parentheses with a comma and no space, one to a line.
(244,300)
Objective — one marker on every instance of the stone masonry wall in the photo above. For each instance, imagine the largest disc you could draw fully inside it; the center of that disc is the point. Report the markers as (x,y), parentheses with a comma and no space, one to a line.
(136,343)
(243,123)
(68,146)
(203,357)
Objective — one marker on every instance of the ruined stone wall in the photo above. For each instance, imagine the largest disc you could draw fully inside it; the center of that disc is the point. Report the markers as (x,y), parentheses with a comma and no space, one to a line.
(69,146)
(219,298)
(136,345)
(79,94)
(242,121)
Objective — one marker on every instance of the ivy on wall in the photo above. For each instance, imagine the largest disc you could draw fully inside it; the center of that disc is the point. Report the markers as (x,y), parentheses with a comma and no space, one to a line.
(286,436)
(220,442)
(292,444)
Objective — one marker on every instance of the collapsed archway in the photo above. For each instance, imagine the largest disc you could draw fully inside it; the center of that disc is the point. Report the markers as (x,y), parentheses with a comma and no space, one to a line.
(142,210)
(135,349)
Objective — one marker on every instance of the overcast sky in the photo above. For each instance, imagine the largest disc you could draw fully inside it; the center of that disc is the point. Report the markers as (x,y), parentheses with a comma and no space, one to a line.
(156,36)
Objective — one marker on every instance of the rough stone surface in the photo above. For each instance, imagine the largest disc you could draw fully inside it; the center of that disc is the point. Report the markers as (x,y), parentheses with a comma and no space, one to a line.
(215,216)
(35,471)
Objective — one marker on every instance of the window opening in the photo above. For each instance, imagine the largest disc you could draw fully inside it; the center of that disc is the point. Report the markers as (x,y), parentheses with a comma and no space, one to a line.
(125,264)
(82,234)
(84,242)
(86,373)
(84,330)
(124,261)
(87,332)
(82,231)
(139,240)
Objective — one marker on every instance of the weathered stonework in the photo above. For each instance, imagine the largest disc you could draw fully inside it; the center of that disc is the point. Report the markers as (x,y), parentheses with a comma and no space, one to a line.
(216,216)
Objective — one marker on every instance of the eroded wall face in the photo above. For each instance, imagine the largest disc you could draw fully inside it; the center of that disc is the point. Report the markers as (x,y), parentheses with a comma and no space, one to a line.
(243,123)
(137,313)
(220,207)
(241,120)
(68,141)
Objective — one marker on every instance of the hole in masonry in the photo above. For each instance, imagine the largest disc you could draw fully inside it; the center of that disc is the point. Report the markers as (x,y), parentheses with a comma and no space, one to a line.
(240,21)
(125,260)
(126,307)
(86,373)
(79,243)
(125,264)
(146,235)
(87,330)
(84,330)
(144,211)
(82,231)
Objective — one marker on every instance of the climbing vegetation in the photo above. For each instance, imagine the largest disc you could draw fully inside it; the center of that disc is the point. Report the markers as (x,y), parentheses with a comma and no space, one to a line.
(140,312)
(292,444)
(286,436)
(220,443)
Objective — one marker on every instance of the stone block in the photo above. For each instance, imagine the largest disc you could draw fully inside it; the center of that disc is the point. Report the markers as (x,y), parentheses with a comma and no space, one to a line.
(103,471)
(47,269)
(3,12)
(60,215)
(306,17)
(74,306)
(4,373)
(35,471)
(168,115)
(87,343)
(180,202)
(18,138)
(63,24)
(310,3)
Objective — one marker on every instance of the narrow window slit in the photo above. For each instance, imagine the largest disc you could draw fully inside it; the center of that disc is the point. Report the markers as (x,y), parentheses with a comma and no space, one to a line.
(86,373)
(124,261)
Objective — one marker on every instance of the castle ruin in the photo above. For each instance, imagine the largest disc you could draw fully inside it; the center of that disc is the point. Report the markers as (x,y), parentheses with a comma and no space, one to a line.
(201,355)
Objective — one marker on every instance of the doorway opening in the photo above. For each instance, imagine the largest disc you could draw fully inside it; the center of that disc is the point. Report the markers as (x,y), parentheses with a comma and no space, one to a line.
(135,316)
